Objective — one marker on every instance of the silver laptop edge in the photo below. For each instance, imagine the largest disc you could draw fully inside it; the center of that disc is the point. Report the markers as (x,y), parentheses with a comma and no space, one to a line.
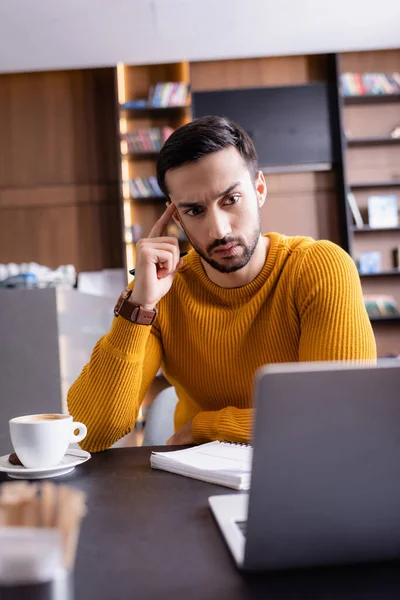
(233,508)
(227,510)
(338,365)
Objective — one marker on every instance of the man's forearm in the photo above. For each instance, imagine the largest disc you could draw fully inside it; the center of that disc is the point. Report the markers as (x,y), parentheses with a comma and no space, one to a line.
(231,424)
(108,393)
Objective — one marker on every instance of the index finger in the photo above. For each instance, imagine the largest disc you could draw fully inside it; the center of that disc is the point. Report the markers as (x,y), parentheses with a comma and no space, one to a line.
(160,226)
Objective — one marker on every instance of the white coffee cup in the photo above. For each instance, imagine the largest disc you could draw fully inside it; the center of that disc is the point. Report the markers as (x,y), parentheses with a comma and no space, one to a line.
(41,441)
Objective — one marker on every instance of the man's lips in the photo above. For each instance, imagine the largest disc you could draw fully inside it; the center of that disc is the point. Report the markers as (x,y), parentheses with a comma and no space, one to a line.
(227,249)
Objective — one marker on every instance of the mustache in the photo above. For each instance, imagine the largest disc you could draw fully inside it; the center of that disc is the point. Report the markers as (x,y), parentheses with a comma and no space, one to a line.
(224,242)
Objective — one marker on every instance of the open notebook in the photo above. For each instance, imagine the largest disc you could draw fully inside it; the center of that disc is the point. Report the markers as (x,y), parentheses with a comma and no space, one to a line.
(222,463)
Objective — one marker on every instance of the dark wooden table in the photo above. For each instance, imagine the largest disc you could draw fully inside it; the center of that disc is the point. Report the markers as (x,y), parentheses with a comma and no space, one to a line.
(150,535)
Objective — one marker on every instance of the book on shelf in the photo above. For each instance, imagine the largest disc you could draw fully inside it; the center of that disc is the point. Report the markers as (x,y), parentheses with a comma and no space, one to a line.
(149,189)
(142,187)
(369,262)
(396,258)
(370,84)
(383,211)
(132,104)
(147,139)
(154,185)
(161,95)
(168,93)
(380,305)
(358,220)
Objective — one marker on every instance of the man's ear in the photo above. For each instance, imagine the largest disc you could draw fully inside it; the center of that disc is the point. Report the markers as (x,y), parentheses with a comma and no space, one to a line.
(261,188)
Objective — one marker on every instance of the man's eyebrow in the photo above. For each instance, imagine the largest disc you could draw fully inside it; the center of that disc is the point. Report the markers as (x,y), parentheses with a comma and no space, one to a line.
(218,195)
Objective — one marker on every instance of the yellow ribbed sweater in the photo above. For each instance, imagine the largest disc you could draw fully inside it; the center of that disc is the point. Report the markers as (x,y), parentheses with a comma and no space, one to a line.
(306,304)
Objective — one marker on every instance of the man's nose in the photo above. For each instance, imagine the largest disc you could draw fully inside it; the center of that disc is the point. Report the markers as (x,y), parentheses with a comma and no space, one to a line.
(219,227)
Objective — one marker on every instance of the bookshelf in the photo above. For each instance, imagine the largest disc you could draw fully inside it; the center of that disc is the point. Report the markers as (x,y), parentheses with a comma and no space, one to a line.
(368,229)
(375,184)
(141,155)
(141,209)
(371,99)
(371,167)
(384,318)
(373,141)
(390,273)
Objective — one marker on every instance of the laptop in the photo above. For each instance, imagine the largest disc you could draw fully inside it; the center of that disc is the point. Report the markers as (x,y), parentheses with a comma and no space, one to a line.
(325,484)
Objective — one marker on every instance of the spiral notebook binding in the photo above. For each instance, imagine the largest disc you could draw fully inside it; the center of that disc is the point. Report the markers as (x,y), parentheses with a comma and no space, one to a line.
(229,443)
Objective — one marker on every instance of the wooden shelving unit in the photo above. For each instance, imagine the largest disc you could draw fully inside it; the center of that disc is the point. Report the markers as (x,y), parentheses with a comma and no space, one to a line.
(371,141)
(385,318)
(372,167)
(368,229)
(375,184)
(157,112)
(390,273)
(371,99)
(149,199)
(134,83)
(140,155)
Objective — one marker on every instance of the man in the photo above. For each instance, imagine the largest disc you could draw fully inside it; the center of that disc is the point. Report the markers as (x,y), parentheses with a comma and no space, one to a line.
(239,300)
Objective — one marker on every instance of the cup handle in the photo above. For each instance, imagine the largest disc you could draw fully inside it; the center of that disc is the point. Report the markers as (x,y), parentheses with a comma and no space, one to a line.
(82,431)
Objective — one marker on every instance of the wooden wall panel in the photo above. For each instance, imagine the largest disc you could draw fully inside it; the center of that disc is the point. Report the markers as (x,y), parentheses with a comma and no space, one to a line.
(86,236)
(59,178)
(52,196)
(374,61)
(256,72)
(301,204)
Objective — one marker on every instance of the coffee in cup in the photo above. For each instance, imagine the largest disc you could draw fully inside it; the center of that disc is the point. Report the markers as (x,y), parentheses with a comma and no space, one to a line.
(46,417)
(41,441)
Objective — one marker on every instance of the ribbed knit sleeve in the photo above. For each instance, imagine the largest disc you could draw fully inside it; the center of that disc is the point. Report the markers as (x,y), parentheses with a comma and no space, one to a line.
(333,320)
(108,393)
(230,424)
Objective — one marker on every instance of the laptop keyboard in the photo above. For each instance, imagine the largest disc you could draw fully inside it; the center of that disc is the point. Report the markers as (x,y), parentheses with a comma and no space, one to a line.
(242,526)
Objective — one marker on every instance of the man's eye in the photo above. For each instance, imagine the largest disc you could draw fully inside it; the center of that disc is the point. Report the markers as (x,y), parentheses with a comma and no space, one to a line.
(232,199)
(193,212)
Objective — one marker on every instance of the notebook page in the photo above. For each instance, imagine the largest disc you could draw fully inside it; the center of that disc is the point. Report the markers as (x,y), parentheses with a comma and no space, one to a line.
(213,456)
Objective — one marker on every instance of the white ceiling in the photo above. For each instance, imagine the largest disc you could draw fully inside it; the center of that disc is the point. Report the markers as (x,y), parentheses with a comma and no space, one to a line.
(59,34)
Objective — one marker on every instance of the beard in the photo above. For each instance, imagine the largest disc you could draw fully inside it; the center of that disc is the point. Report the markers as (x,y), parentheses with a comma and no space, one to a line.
(234,263)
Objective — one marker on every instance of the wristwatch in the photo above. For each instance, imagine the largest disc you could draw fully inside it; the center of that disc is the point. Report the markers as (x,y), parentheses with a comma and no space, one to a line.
(133,312)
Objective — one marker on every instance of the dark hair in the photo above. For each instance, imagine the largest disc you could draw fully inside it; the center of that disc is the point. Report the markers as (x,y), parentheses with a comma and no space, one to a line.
(200,137)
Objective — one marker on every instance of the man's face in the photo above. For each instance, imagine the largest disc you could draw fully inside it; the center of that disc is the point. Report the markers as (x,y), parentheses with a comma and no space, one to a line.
(218,205)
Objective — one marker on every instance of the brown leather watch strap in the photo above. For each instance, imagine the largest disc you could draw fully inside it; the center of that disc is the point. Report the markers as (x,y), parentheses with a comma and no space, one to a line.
(133,312)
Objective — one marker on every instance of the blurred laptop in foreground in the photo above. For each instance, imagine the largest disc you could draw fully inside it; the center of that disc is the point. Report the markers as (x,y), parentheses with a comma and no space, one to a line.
(325,484)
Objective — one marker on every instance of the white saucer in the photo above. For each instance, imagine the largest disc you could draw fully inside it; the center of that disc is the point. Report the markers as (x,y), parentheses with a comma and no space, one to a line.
(73,458)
